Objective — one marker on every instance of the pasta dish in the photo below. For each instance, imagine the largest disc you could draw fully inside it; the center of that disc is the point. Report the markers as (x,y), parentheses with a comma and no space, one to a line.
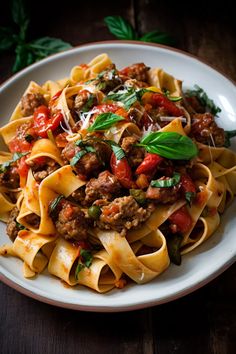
(112,174)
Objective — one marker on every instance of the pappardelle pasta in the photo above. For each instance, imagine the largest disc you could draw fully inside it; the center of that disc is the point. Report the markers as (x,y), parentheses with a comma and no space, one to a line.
(111,175)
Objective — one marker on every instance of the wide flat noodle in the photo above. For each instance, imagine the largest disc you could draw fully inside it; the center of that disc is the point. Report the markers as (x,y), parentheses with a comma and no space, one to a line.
(8,131)
(159,78)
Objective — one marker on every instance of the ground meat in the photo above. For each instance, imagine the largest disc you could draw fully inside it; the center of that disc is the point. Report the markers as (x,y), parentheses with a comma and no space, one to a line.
(123,214)
(205,130)
(106,186)
(10,178)
(83,100)
(164,195)
(71,222)
(41,171)
(30,102)
(135,83)
(109,80)
(137,71)
(134,154)
(33,220)
(91,163)
(78,196)
(12,226)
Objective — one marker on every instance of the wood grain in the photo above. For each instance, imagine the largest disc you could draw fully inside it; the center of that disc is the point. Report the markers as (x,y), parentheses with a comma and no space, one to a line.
(202,322)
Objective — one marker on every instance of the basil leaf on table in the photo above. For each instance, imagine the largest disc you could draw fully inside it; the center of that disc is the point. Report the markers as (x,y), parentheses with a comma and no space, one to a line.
(157,37)
(104,121)
(170,145)
(166,183)
(121,28)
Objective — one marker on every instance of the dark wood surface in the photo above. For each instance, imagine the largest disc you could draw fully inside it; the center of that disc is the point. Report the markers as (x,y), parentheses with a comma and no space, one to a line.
(203,322)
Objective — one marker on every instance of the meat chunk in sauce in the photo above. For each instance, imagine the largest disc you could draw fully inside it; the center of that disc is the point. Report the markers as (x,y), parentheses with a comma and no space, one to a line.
(42,168)
(71,222)
(109,80)
(123,214)
(137,71)
(12,226)
(84,101)
(30,102)
(33,220)
(134,154)
(10,178)
(106,186)
(164,195)
(205,130)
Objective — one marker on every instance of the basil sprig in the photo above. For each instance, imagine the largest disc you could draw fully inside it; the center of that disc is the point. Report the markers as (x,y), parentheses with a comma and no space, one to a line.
(16,156)
(128,97)
(203,98)
(168,182)
(86,259)
(26,52)
(122,29)
(170,145)
(104,121)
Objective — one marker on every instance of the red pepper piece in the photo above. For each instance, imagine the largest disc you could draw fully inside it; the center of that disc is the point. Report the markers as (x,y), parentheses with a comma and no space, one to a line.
(43,122)
(181,219)
(149,164)
(160,100)
(121,169)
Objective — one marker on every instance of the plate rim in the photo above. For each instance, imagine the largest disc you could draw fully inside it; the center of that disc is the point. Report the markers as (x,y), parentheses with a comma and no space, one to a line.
(141,304)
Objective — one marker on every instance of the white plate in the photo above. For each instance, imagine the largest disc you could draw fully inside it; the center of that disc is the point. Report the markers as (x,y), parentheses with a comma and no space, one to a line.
(198,267)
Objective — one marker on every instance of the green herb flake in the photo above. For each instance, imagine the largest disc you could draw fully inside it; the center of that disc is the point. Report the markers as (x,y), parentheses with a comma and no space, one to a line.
(173,247)
(78,269)
(16,156)
(203,98)
(170,145)
(128,97)
(88,104)
(167,183)
(118,151)
(105,121)
(229,134)
(189,196)
(53,205)
(87,257)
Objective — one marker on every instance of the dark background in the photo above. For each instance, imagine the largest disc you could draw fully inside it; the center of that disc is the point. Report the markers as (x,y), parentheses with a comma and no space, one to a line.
(203,322)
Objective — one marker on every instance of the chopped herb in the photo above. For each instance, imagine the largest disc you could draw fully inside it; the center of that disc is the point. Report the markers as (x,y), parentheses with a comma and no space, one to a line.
(172,98)
(16,156)
(54,203)
(229,134)
(104,121)
(189,196)
(85,260)
(166,183)
(19,226)
(77,157)
(203,98)
(78,269)
(88,104)
(139,195)
(128,97)
(173,246)
(170,145)
(118,151)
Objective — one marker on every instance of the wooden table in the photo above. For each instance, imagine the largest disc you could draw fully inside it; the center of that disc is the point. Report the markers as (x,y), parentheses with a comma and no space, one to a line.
(203,322)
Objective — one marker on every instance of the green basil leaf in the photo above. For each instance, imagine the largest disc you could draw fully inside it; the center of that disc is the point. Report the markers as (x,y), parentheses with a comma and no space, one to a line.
(173,247)
(170,145)
(171,98)
(23,57)
(20,16)
(45,46)
(77,157)
(121,28)
(189,196)
(16,156)
(157,37)
(19,226)
(104,121)
(87,257)
(118,151)
(128,97)
(53,205)
(229,134)
(203,98)
(166,183)
(86,107)
(78,269)
(7,39)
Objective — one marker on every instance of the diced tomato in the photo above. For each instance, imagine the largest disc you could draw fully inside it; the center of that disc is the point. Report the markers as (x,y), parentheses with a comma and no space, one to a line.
(160,100)
(44,122)
(23,170)
(54,98)
(122,170)
(182,219)
(110,209)
(149,164)
(68,211)
(187,184)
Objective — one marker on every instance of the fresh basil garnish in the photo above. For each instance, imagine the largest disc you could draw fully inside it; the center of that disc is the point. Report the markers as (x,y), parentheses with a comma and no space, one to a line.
(157,37)
(128,97)
(86,107)
(118,151)
(173,247)
(86,259)
(166,183)
(203,98)
(170,145)
(172,98)
(54,203)
(104,121)
(189,196)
